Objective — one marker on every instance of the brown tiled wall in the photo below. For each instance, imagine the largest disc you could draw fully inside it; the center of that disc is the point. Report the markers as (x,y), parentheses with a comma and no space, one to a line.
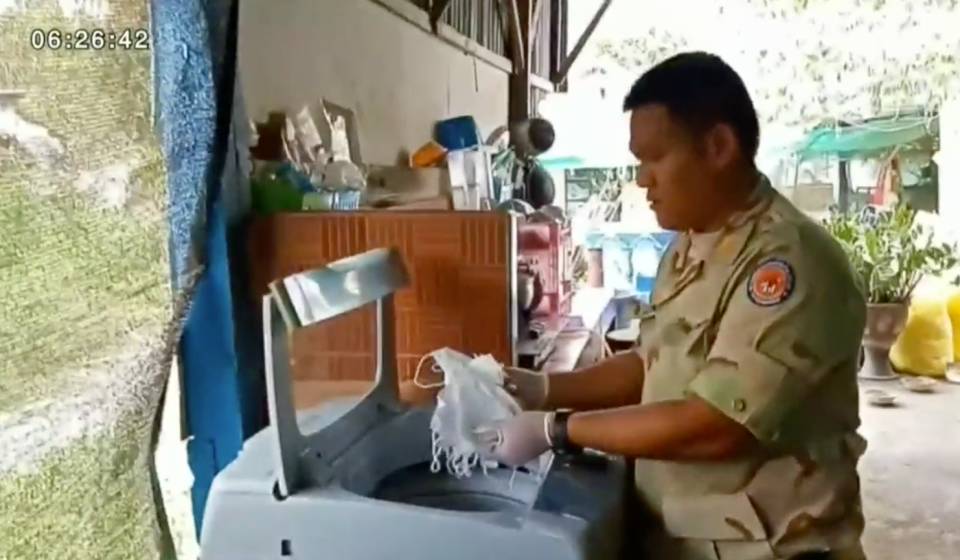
(458,295)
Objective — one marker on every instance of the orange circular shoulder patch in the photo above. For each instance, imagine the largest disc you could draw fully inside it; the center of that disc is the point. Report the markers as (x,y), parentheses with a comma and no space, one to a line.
(771,283)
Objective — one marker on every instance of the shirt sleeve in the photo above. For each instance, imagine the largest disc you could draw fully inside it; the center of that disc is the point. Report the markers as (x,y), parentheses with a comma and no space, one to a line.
(785,326)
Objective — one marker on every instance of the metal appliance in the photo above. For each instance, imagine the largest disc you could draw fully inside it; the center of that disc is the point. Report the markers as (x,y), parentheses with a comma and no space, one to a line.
(544,283)
(350,479)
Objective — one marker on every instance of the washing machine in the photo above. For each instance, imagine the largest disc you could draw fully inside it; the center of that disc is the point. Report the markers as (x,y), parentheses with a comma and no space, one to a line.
(351,478)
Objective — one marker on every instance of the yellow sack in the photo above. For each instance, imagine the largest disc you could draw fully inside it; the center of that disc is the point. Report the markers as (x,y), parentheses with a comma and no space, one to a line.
(953,309)
(925,345)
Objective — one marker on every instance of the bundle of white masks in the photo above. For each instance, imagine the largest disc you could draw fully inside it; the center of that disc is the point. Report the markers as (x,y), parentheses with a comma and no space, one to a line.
(472,396)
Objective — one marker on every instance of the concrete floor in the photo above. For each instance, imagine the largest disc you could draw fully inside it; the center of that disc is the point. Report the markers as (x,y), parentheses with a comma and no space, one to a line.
(911,475)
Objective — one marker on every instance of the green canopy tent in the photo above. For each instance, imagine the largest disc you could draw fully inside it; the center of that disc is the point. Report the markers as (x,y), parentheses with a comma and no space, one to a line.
(906,133)
(874,137)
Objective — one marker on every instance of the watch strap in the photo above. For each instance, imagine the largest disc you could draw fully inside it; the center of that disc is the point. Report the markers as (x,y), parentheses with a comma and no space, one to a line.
(559,436)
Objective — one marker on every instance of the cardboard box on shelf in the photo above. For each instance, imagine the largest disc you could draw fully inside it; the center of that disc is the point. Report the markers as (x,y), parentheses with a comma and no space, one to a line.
(404,185)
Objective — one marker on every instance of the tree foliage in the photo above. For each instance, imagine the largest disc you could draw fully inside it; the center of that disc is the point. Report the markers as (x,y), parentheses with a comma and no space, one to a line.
(817,59)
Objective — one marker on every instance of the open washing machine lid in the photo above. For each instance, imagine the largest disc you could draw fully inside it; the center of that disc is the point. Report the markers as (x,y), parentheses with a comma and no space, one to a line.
(307,298)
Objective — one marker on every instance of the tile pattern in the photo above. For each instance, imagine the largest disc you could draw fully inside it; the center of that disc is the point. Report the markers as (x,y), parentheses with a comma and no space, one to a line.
(458,295)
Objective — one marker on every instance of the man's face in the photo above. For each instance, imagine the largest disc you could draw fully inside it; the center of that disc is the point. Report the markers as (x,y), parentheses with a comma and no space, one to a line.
(677,169)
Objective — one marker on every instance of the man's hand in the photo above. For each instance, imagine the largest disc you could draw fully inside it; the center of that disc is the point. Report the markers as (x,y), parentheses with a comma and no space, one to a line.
(528,387)
(518,440)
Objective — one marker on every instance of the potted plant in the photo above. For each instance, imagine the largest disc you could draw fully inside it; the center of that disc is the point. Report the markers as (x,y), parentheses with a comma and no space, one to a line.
(892,253)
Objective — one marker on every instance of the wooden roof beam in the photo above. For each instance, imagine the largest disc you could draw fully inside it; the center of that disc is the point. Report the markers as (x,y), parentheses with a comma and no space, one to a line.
(520,14)
(560,76)
(437,9)
(559,10)
(535,22)
(515,33)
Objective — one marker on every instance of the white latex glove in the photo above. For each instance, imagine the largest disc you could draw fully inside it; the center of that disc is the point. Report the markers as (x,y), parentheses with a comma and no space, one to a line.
(528,387)
(517,441)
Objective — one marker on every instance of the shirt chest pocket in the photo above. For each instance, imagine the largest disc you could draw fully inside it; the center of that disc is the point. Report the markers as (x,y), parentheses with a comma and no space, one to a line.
(674,349)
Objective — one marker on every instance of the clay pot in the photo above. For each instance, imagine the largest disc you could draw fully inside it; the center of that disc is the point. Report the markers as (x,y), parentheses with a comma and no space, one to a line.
(884,321)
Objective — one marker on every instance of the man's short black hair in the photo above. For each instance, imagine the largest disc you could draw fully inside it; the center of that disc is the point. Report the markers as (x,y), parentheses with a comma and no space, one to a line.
(700,90)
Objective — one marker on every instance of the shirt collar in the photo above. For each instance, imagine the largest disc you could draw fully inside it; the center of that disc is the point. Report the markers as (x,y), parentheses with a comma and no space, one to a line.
(726,242)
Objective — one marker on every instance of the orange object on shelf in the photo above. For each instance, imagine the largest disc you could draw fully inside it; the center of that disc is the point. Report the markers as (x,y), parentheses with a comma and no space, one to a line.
(459,293)
(430,154)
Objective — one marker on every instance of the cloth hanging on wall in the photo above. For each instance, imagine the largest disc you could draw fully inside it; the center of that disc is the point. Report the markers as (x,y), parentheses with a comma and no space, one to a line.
(196,66)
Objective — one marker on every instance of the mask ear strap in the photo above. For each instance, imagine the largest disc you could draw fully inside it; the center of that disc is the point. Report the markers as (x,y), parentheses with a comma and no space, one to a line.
(416,374)
(436,451)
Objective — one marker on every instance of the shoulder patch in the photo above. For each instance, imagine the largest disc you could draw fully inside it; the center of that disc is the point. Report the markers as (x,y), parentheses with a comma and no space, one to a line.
(771,283)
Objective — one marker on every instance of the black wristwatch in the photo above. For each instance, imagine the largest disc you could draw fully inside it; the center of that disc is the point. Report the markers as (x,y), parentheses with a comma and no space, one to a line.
(559,435)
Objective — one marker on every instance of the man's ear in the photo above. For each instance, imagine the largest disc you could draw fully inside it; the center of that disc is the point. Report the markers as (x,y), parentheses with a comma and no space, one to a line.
(721,145)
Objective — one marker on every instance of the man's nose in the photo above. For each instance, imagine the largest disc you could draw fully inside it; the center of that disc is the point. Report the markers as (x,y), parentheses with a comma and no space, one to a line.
(644,178)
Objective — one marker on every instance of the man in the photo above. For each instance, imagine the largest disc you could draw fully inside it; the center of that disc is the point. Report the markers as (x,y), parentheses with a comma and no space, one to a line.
(740,401)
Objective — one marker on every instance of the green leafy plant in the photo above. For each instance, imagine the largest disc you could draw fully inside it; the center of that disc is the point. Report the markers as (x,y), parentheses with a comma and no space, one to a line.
(890,250)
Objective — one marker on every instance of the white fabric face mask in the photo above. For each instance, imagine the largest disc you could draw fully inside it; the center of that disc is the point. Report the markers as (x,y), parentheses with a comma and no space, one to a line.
(472,395)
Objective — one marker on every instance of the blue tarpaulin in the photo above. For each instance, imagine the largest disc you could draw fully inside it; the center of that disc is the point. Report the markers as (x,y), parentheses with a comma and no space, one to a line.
(194,49)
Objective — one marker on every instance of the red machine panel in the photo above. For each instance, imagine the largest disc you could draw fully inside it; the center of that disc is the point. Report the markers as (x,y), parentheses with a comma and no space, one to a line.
(545,248)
